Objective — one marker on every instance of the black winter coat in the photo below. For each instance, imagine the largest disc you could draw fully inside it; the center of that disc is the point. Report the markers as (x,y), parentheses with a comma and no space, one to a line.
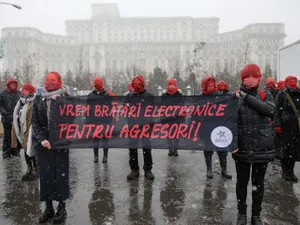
(101,93)
(273,92)
(143,94)
(176,119)
(286,118)
(255,133)
(8,101)
(177,94)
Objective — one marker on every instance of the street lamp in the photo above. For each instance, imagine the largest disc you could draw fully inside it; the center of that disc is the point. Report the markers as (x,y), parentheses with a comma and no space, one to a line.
(14,5)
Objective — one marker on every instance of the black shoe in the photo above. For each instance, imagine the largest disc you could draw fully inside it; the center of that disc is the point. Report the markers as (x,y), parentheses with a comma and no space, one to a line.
(25,177)
(105,154)
(256,220)
(170,152)
(47,214)
(33,175)
(241,220)
(175,152)
(294,178)
(60,214)
(6,155)
(209,173)
(149,175)
(133,175)
(286,176)
(96,155)
(104,159)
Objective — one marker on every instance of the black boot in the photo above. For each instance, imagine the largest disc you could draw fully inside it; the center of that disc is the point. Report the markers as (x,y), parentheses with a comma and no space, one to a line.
(6,154)
(291,170)
(170,152)
(256,220)
(96,155)
(241,220)
(285,170)
(48,213)
(105,154)
(175,152)
(33,175)
(26,175)
(209,173)
(60,214)
(223,163)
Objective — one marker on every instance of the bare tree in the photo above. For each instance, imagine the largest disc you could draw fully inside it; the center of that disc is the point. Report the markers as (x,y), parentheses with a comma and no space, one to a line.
(30,69)
(244,58)
(4,78)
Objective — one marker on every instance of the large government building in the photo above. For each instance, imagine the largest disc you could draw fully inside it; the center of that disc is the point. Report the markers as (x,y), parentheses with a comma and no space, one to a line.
(109,41)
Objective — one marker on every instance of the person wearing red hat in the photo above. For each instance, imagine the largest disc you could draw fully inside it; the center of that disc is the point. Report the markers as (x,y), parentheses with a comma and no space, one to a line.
(172,90)
(209,87)
(281,85)
(53,164)
(271,86)
(22,132)
(287,127)
(138,85)
(222,87)
(8,100)
(99,90)
(255,142)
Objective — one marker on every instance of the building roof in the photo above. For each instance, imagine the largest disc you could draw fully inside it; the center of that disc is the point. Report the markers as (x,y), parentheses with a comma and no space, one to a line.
(290,45)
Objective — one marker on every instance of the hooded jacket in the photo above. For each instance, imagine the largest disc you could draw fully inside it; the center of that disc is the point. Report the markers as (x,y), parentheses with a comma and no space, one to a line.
(8,101)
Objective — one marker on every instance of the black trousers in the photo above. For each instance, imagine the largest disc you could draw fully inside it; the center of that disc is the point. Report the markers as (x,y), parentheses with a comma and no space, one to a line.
(258,177)
(208,154)
(7,137)
(173,144)
(134,163)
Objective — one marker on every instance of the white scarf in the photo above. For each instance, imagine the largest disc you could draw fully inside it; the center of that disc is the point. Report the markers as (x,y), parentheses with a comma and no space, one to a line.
(21,128)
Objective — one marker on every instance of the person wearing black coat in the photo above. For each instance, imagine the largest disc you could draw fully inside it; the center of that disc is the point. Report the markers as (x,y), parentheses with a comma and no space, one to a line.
(138,84)
(172,90)
(255,142)
(287,128)
(209,88)
(99,91)
(271,86)
(53,164)
(8,100)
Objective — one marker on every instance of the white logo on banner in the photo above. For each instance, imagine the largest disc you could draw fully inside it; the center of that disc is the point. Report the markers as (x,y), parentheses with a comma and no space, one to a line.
(221,137)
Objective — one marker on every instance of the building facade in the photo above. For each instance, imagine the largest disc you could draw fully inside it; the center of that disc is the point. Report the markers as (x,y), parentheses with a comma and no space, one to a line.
(109,41)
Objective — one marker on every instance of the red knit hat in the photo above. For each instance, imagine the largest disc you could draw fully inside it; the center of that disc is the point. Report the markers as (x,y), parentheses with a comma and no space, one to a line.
(204,82)
(281,85)
(98,84)
(250,70)
(222,86)
(28,87)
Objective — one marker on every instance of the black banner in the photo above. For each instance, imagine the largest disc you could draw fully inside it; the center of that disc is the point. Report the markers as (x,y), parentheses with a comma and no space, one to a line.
(191,123)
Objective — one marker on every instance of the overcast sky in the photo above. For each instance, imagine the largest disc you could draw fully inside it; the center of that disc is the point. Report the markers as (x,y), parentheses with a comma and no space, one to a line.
(49,15)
